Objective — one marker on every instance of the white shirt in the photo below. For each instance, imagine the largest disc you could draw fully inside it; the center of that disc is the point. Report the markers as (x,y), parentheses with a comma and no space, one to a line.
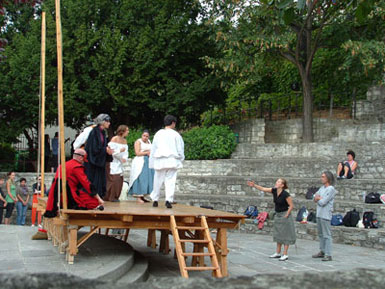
(82,137)
(116,166)
(167,150)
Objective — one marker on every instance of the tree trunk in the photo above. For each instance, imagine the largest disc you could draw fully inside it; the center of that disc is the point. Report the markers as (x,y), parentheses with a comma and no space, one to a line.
(307,121)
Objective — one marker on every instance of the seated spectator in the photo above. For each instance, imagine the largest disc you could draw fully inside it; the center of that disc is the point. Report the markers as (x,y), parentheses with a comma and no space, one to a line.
(346,169)
(22,195)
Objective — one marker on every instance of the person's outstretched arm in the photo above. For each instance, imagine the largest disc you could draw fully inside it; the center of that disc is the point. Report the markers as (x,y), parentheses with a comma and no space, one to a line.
(263,189)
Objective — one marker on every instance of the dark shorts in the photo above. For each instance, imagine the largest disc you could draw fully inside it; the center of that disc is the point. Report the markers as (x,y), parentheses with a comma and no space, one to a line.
(10,207)
(350,173)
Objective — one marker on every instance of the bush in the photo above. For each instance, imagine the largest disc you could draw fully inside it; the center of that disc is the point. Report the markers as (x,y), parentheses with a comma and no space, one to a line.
(209,143)
(131,139)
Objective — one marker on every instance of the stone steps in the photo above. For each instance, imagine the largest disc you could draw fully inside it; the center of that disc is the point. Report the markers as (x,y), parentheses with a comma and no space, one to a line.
(369,238)
(288,167)
(265,203)
(138,273)
(336,151)
(236,186)
(132,268)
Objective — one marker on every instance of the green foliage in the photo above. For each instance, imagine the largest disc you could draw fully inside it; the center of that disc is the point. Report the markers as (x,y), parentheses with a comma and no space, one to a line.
(209,143)
(136,60)
(7,157)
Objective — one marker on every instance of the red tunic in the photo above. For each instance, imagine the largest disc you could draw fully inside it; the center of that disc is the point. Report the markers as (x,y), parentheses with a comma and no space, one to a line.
(78,185)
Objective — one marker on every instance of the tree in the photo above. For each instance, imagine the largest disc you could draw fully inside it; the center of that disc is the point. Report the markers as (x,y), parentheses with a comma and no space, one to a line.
(294,30)
(136,60)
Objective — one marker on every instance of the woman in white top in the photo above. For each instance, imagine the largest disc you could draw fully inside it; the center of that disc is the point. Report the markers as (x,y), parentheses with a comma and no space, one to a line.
(141,177)
(120,156)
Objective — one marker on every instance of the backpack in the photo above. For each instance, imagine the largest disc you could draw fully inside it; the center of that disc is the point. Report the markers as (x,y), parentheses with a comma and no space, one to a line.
(369,220)
(351,218)
(251,212)
(337,220)
(373,198)
(312,217)
(302,213)
(311,192)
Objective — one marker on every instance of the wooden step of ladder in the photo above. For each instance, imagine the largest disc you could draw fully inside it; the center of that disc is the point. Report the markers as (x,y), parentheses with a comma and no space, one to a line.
(205,240)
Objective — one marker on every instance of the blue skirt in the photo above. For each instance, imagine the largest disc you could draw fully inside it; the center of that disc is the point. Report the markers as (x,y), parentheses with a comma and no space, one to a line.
(143,185)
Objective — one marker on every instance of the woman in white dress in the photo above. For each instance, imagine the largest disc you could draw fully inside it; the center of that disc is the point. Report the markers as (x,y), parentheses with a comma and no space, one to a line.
(120,156)
(141,177)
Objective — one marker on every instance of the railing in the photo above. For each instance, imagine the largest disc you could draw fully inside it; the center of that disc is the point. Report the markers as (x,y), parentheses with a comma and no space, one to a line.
(279,108)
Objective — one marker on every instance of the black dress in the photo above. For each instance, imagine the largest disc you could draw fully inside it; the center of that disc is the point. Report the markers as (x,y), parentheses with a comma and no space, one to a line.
(96,154)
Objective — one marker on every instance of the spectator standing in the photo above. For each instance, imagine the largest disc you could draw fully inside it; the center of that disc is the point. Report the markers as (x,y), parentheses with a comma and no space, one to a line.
(55,151)
(10,197)
(284,229)
(3,202)
(22,195)
(324,199)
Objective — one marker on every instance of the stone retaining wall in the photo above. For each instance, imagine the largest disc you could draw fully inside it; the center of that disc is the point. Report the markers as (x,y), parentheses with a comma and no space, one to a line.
(373,108)
(250,131)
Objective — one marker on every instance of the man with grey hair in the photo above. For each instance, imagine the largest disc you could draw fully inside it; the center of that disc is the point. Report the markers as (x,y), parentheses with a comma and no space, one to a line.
(324,198)
(97,151)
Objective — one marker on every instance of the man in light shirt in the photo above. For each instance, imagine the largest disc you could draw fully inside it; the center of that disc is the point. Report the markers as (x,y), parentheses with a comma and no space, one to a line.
(166,157)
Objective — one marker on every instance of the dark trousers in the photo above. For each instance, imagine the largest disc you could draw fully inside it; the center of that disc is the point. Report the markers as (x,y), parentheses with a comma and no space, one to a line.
(1,211)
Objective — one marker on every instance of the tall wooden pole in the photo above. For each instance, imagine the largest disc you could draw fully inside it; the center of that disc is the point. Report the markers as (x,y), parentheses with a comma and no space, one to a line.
(60,102)
(42,118)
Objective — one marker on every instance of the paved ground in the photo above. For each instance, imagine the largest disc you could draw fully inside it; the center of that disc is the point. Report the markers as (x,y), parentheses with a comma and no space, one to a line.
(248,256)
(98,256)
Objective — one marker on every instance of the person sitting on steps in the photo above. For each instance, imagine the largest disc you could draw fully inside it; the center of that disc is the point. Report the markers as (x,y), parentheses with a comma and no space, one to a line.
(346,169)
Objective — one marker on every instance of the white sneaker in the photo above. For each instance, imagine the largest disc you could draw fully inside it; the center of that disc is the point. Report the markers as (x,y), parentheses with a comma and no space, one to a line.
(284,258)
(40,226)
(275,255)
(32,226)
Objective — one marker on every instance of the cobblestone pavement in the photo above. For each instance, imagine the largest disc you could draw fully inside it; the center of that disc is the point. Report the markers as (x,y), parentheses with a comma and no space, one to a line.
(249,255)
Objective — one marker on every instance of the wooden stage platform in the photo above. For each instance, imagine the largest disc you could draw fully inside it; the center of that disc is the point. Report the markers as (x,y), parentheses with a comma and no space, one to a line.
(187,224)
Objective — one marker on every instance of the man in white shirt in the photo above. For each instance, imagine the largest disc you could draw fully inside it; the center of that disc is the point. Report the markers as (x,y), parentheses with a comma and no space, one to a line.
(166,157)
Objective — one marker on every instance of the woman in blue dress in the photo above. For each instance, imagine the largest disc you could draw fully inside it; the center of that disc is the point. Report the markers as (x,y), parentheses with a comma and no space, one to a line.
(141,176)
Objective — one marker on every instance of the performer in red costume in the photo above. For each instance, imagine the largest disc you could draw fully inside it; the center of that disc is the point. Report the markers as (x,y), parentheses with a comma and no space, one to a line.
(81,195)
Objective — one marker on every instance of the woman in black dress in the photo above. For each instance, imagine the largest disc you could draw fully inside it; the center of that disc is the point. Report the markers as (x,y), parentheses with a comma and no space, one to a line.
(284,230)
(97,152)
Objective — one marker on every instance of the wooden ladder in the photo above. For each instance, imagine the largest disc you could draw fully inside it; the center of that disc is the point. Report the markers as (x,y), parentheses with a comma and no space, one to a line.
(201,239)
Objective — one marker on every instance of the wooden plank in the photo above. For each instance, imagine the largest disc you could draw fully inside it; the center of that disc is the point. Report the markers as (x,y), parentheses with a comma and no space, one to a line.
(202,268)
(59,47)
(155,225)
(83,239)
(42,98)
(127,218)
(222,251)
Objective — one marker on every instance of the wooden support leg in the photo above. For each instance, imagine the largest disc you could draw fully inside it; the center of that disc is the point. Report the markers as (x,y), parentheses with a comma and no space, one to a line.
(72,242)
(64,239)
(222,251)
(125,237)
(164,246)
(107,231)
(151,238)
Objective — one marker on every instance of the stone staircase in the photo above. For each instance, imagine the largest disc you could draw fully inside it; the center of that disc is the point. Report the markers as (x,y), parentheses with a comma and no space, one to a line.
(222,183)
